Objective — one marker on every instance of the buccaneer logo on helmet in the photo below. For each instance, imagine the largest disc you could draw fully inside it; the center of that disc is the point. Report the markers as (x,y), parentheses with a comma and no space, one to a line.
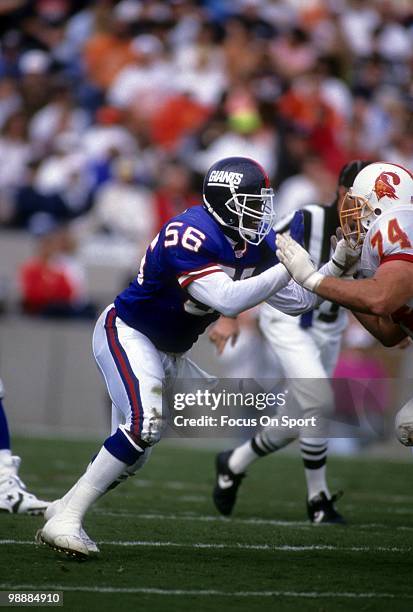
(238,195)
(382,186)
(378,187)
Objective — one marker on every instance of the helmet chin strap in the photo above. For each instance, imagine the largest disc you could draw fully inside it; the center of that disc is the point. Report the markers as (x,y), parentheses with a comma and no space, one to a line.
(212,212)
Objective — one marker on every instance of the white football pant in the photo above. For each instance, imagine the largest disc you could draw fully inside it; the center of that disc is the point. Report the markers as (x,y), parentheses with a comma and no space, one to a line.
(136,375)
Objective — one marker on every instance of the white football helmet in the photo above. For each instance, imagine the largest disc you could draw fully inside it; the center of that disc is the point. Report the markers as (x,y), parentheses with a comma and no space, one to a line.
(377,188)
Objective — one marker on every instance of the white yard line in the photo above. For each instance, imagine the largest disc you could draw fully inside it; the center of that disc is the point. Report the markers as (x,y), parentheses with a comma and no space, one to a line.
(235,546)
(203,518)
(151,516)
(204,592)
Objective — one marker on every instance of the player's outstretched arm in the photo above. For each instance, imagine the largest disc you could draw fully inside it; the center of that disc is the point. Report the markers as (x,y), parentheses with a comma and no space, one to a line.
(372,300)
(294,300)
(298,297)
(389,289)
(301,267)
(382,328)
(230,298)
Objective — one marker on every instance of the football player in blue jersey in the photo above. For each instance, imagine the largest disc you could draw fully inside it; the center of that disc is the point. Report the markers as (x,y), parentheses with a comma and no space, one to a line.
(216,258)
(14,496)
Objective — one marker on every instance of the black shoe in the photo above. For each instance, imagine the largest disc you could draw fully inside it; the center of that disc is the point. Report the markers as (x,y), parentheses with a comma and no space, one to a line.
(226,487)
(322,510)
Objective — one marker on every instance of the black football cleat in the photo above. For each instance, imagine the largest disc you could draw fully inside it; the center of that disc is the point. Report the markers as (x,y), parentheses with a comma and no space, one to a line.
(227,484)
(321,510)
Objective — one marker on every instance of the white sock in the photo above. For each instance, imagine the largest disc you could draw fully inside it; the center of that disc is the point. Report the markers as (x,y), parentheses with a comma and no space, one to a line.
(316,482)
(314,455)
(65,498)
(241,458)
(7,468)
(94,482)
(5,456)
(68,495)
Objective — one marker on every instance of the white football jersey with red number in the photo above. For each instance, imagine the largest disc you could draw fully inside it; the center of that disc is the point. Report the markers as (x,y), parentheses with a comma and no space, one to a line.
(390,238)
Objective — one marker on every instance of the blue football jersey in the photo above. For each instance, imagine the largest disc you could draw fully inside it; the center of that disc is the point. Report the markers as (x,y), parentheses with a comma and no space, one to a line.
(188,247)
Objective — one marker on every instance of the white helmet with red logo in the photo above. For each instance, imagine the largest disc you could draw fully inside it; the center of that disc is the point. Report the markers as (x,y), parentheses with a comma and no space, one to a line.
(377,188)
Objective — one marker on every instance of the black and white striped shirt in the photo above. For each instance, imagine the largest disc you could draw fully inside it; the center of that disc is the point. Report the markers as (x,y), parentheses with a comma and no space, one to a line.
(320,223)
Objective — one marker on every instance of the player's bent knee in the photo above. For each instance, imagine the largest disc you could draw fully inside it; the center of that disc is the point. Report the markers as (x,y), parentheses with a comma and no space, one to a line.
(123,447)
(404,424)
(126,449)
(151,428)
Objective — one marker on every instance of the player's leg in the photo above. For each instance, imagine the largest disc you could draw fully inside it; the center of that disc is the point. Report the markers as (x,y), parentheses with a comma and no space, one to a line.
(299,356)
(227,484)
(5,445)
(133,372)
(320,503)
(58,505)
(14,497)
(328,337)
(296,353)
(231,465)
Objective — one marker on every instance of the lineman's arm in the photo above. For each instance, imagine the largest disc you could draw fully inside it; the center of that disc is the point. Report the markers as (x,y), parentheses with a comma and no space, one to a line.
(388,290)
(382,328)
(295,299)
(230,298)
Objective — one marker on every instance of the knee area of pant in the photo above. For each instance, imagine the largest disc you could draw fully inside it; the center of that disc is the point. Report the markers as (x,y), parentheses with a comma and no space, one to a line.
(123,446)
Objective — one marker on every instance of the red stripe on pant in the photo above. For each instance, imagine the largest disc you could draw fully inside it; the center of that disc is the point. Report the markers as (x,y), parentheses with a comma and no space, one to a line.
(125,371)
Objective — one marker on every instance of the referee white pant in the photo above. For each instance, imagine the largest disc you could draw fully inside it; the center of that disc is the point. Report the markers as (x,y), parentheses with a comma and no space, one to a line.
(302,353)
(307,357)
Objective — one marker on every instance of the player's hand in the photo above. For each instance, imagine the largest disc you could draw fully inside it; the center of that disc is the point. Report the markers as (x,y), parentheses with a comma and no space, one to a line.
(224,329)
(346,256)
(298,262)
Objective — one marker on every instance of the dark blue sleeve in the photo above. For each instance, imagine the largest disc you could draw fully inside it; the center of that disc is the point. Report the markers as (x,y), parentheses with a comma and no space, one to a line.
(297,227)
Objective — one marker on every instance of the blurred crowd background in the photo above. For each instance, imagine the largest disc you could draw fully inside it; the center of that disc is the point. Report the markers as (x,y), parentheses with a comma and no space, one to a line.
(112,111)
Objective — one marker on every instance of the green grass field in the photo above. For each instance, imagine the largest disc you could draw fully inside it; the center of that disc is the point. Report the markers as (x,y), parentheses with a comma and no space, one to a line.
(163,547)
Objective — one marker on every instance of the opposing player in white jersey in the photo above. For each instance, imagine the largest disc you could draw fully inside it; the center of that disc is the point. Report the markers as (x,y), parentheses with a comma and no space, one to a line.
(306,347)
(14,496)
(197,267)
(377,216)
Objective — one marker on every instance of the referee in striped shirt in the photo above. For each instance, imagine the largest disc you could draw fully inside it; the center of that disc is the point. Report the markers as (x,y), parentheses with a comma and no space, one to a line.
(306,347)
